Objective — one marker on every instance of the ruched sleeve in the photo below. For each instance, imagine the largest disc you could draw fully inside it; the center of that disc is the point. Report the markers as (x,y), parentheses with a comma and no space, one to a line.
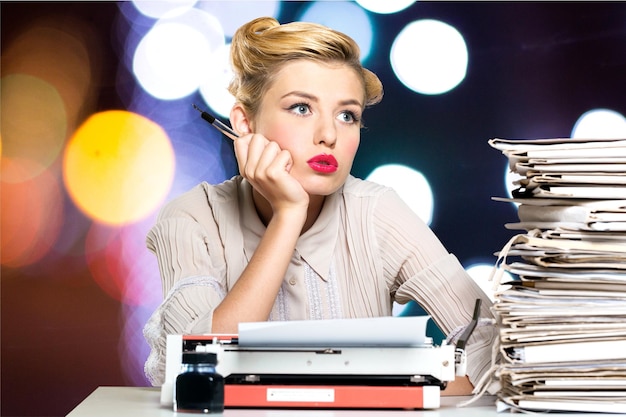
(419,268)
(190,253)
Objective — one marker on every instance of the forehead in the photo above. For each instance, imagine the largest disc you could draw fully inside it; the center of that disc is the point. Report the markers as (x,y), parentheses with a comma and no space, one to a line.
(324,80)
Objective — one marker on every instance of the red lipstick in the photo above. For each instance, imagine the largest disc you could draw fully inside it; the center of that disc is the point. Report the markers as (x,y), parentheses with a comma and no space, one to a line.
(323,163)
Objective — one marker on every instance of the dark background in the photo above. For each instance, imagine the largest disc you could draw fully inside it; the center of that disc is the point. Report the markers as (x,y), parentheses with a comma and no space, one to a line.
(534,69)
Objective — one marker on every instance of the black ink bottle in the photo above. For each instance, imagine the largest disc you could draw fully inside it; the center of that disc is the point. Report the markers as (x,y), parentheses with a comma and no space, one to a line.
(199,388)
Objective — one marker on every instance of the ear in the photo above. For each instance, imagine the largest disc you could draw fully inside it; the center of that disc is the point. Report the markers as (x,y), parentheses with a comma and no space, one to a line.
(239,120)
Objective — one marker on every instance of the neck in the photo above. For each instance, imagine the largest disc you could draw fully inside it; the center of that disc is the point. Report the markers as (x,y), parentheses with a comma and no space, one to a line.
(264,209)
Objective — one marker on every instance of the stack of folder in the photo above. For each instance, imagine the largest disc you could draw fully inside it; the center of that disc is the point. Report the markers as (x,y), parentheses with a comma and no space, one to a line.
(562,319)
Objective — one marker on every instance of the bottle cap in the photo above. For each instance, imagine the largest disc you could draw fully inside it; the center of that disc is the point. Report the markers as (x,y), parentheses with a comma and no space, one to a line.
(200,357)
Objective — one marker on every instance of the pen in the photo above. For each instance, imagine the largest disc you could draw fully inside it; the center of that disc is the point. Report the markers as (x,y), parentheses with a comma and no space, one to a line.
(217,124)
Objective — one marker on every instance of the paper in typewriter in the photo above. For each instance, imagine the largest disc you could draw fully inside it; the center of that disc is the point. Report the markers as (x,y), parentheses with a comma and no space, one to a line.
(562,333)
(376,331)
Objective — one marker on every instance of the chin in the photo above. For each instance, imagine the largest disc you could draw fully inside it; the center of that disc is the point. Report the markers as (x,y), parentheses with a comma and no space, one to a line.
(323,189)
(322,184)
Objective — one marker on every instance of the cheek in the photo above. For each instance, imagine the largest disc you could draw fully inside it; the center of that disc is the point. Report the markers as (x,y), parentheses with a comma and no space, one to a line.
(351,146)
(284,135)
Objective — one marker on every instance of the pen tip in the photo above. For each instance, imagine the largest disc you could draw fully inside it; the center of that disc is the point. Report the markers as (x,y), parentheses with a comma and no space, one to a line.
(196,107)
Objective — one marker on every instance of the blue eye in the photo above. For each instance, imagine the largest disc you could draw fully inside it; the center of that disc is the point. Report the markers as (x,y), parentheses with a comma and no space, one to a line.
(300,109)
(348,117)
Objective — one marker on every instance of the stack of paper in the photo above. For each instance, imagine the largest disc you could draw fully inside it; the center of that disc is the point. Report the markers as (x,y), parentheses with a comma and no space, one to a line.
(567,168)
(563,320)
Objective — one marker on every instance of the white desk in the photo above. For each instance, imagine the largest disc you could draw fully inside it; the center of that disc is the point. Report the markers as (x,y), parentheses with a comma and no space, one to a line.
(145,402)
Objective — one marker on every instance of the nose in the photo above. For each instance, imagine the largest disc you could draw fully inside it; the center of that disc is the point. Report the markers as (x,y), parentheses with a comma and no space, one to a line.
(326,132)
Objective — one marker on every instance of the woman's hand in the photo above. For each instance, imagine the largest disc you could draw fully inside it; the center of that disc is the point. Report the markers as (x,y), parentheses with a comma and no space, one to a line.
(267,168)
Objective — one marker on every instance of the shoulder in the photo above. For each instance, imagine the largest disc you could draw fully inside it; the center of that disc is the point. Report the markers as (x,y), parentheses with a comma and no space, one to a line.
(375,195)
(201,199)
(358,188)
(380,201)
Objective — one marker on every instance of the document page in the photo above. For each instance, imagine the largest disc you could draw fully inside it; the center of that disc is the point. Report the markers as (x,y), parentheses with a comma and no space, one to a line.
(376,331)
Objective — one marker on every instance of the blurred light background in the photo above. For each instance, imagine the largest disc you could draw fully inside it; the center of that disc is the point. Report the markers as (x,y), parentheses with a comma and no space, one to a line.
(98,131)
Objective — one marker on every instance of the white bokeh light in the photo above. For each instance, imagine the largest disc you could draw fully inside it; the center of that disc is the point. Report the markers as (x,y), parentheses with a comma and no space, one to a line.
(481,274)
(161,8)
(214,89)
(174,56)
(205,23)
(386,6)
(509,182)
(510,179)
(171,61)
(429,57)
(233,14)
(410,185)
(600,124)
(346,17)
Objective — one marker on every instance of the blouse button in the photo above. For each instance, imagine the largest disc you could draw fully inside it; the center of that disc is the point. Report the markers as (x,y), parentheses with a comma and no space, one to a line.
(292,281)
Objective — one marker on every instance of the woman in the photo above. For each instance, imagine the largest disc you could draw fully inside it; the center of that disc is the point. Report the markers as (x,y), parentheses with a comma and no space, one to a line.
(295,236)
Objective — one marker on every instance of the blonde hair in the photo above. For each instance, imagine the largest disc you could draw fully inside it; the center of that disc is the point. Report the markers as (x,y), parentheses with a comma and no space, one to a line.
(262,46)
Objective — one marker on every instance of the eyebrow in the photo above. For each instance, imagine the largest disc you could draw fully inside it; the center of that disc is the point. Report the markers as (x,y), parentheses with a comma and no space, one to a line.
(314,98)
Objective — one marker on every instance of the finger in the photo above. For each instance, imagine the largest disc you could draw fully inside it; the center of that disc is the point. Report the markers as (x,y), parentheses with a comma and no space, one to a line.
(256,148)
(241,146)
(281,162)
(267,160)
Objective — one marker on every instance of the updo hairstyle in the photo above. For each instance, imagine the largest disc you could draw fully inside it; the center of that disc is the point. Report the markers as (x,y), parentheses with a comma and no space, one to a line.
(262,46)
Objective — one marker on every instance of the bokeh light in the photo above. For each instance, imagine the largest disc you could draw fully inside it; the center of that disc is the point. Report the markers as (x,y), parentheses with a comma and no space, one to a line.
(34,125)
(429,57)
(142,295)
(120,263)
(410,185)
(334,15)
(214,89)
(600,124)
(510,180)
(198,148)
(118,167)
(126,271)
(202,154)
(104,252)
(50,69)
(163,8)
(32,213)
(233,14)
(386,6)
(171,60)
(482,273)
(132,347)
(49,72)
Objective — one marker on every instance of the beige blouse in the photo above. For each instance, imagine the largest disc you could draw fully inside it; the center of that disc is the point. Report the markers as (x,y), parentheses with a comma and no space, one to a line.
(366,250)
